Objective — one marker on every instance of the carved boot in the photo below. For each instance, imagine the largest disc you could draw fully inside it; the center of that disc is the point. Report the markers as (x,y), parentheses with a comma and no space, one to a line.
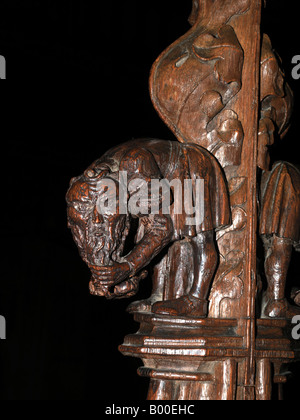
(278,308)
(144,305)
(186,306)
(278,257)
(296,296)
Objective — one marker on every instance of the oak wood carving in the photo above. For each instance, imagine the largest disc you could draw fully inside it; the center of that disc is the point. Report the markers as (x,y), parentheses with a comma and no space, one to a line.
(209,330)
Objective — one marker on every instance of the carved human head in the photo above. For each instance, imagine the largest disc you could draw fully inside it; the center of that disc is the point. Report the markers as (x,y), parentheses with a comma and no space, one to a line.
(99,236)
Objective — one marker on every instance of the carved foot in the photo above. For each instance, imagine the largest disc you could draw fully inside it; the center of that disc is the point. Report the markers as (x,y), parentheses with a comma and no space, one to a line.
(278,309)
(187,306)
(144,305)
(296,296)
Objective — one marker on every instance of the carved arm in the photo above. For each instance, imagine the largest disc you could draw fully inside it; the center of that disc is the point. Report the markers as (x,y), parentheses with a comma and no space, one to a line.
(158,233)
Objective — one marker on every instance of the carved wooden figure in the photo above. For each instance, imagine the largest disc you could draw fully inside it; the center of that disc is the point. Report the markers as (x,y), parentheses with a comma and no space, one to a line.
(100,235)
(209,330)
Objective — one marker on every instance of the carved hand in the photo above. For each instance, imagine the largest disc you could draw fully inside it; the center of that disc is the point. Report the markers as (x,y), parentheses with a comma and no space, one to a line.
(114,274)
(129,287)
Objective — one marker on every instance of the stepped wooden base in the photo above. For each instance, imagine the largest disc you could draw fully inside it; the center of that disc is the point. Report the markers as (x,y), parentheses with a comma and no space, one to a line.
(205,359)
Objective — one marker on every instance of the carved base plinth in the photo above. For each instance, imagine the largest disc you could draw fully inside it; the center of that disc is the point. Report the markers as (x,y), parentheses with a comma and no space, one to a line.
(275,350)
(189,359)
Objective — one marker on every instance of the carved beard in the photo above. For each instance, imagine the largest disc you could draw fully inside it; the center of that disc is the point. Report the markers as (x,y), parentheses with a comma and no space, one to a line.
(100,239)
(98,244)
(105,241)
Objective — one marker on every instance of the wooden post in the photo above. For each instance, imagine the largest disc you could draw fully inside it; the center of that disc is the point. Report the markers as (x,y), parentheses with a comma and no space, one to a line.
(234,288)
(247,108)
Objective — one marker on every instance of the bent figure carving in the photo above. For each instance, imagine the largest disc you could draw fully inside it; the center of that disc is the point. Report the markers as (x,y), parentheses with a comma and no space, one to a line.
(187,253)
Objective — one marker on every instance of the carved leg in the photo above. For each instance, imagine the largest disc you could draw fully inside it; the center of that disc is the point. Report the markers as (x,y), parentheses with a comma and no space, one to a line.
(296,296)
(278,252)
(158,283)
(205,264)
(195,304)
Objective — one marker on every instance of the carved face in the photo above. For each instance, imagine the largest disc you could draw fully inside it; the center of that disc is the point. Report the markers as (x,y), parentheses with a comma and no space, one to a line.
(99,237)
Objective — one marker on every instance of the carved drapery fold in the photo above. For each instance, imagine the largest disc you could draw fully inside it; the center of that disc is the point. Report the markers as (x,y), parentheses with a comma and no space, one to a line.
(193,80)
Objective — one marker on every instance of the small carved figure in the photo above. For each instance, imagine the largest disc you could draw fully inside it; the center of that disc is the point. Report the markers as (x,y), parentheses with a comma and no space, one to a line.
(101,236)
(280,230)
(280,188)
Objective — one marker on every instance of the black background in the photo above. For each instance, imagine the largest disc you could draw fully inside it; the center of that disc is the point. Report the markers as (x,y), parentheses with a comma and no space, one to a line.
(77,84)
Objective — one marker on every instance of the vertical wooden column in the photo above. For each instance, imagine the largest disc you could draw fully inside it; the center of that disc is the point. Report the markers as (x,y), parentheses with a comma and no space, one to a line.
(248,30)
(214,102)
